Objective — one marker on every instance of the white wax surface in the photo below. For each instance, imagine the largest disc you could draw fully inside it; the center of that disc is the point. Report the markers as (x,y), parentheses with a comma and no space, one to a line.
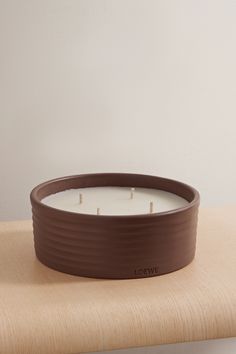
(115,200)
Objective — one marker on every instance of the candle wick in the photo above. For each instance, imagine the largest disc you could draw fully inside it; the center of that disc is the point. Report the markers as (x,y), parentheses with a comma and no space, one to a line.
(132,193)
(151,207)
(80,198)
(98,211)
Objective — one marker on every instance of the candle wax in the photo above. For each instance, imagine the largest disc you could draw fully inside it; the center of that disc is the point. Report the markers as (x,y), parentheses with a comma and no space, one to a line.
(114,200)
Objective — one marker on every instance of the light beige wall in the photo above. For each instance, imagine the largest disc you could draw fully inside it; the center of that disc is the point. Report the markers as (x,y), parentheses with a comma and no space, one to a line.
(117,85)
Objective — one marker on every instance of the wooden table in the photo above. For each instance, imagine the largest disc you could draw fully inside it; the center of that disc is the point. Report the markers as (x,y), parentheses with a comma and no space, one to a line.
(44,311)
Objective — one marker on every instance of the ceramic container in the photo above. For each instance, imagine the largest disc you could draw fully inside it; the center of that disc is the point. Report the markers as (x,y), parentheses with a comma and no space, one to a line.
(116,246)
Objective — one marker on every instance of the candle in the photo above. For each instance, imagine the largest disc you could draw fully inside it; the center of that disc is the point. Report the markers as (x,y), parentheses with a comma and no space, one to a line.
(114,225)
(115,201)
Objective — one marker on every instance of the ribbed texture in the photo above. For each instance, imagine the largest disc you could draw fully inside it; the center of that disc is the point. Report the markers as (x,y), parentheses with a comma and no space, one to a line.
(114,246)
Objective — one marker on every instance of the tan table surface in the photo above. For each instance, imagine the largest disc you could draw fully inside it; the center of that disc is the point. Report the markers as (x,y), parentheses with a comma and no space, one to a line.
(44,311)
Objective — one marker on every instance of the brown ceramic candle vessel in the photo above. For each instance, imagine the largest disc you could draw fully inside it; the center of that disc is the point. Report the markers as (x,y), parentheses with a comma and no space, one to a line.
(114,246)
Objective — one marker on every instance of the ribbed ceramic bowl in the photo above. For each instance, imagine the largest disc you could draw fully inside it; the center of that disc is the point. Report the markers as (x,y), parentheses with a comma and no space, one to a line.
(100,246)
